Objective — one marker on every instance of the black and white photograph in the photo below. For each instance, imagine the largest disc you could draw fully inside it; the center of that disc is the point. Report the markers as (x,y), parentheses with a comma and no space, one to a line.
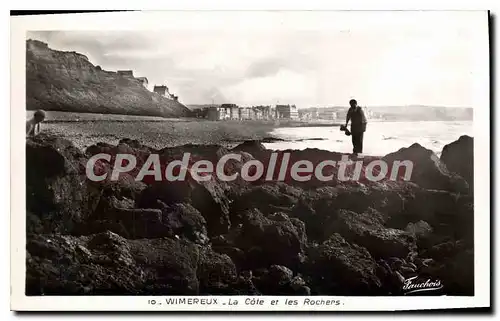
(260,160)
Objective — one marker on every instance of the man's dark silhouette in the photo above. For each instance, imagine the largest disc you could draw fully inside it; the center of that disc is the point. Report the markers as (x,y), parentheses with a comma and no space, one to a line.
(358,126)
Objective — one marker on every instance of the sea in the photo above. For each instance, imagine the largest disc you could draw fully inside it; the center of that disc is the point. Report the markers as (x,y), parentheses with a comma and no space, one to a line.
(380,138)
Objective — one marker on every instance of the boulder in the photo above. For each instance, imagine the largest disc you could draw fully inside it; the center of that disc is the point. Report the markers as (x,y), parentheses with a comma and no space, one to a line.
(58,195)
(446,250)
(365,229)
(449,214)
(422,232)
(319,208)
(359,199)
(216,273)
(337,267)
(206,197)
(253,147)
(186,221)
(458,157)
(276,239)
(428,170)
(268,198)
(281,273)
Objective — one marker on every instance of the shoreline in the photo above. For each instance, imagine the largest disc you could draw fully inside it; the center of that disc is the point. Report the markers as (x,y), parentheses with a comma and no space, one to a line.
(166,132)
(70,117)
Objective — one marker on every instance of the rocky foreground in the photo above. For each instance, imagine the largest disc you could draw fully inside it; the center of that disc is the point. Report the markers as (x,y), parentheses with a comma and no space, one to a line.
(270,238)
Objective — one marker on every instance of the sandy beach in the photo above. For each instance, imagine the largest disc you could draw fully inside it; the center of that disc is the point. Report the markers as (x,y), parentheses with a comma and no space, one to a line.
(85,129)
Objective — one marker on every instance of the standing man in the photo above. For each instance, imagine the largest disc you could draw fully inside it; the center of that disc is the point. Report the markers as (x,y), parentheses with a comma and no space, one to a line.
(358,126)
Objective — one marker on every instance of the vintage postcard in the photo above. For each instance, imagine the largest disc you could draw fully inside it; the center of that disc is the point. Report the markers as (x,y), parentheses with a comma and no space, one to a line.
(250,161)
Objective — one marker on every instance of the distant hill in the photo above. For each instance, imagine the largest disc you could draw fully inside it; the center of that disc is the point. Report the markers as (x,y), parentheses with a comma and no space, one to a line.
(418,113)
(68,81)
(406,113)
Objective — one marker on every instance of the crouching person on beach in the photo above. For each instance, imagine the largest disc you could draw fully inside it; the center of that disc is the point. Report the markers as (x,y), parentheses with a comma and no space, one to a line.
(33,124)
(358,126)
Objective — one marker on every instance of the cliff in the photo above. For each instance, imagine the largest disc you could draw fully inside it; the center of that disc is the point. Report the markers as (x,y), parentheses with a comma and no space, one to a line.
(68,81)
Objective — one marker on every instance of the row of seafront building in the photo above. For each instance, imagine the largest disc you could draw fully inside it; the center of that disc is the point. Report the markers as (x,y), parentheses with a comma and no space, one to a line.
(235,112)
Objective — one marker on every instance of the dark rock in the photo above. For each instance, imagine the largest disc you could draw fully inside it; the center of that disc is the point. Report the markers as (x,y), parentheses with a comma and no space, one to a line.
(320,207)
(428,171)
(279,280)
(186,221)
(299,287)
(253,147)
(419,229)
(134,143)
(137,238)
(282,274)
(244,286)
(459,158)
(449,214)
(422,232)
(266,198)
(141,223)
(212,154)
(58,195)
(109,203)
(445,250)
(366,230)
(237,255)
(216,273)
(457,274)
(273,240)
(130,223)
(107,264)
(176,220)
(339,268)
(207,197)
(126,185)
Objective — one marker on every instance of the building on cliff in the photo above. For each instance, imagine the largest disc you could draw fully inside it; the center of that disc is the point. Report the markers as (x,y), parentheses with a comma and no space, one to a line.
(125,73)
(143,81)
(160,90)
(54,78)
(163,91)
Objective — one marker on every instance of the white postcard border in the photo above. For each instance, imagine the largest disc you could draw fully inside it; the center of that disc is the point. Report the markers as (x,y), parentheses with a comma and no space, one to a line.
(151,20)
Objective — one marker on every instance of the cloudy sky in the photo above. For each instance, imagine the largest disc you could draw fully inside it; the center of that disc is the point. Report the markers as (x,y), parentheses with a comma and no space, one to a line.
(431,62)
